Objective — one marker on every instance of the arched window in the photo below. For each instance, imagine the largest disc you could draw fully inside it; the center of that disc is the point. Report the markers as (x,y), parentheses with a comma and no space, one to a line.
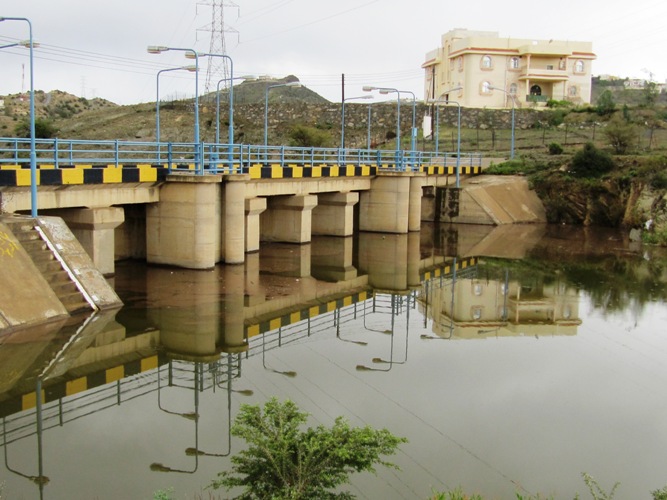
(535,90)
(487,62)
(460,63)
(579,66)
(513,88)
(514,63)
(485,88)
(572,91)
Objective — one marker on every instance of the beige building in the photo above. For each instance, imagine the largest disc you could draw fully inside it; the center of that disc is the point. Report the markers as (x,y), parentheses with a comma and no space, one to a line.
(532,71)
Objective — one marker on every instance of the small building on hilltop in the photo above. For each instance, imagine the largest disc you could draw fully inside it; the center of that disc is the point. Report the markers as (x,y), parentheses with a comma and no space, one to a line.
(489,71)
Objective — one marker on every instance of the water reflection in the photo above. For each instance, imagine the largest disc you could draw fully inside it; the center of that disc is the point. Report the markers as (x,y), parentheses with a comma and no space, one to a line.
(173,356)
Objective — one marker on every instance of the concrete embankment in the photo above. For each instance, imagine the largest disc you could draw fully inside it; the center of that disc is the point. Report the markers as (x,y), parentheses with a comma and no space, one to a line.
(498,200)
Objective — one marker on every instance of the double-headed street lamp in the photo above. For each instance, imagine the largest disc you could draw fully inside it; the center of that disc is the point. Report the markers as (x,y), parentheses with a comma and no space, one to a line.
(33,154)
(387,90)
(266,106)
(158,49)
(231,110)
(509,94)
(342,116)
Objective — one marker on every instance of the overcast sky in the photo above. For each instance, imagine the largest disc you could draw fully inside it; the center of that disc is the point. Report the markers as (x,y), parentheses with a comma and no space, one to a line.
(98,49)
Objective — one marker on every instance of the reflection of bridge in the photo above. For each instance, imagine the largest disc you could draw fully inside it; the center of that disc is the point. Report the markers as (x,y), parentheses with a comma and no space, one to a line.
(195,205)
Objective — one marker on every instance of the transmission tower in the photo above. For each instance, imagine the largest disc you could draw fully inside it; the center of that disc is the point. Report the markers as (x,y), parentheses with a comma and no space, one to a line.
(218,67)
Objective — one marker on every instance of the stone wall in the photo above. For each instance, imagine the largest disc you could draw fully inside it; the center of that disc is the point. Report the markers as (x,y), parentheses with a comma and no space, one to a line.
(327,117)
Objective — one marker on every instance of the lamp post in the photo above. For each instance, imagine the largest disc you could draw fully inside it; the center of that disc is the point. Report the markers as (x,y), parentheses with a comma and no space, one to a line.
(157,102)
(158,49)
(458,128)
(266,106)
(510,95)
(33,153)
(342,116)
(386,90)
(231,110)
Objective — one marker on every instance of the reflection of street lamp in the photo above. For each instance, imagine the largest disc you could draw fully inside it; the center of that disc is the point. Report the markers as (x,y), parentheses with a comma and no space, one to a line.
(33,154)
(509,94)
(342,116)
(266,106)
(358,342)
(157,102)
(158,49)
(286,373)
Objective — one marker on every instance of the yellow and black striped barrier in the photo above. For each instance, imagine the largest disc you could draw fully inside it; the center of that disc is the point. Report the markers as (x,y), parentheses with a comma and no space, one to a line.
(48,175)
(447,270)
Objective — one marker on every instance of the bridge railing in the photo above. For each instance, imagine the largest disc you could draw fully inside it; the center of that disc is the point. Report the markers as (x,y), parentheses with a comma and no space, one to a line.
(216,158)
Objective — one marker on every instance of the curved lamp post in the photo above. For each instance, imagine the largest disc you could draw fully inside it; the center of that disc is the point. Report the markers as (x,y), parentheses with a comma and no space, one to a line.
(387,90)
(342,116)
(458,128)
(158,49)
(157,102)
(33,154)
(509,94)
(266,106)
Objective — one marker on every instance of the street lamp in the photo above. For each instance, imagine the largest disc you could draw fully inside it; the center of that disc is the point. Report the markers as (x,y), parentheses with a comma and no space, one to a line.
(231,111)
(386,90)
(458,128)
(33,154)
(266,106)
(342,116)
(158,49)
(509,94)
(157,102)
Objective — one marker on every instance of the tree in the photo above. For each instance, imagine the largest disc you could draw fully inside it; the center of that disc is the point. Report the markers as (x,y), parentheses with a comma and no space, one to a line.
(284,462)
(44,129)
(620,134)
(591,162)
(605,103)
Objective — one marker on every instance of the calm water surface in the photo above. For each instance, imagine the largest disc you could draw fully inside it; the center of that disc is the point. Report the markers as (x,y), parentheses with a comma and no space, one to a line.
(513,359)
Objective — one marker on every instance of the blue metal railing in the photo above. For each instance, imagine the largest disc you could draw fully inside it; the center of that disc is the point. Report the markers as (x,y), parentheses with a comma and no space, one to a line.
(217,158)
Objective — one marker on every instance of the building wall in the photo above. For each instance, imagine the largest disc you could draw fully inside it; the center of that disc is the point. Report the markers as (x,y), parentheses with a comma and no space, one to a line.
(476,60)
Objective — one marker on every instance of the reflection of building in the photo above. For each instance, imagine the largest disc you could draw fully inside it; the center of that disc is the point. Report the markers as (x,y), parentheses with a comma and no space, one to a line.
(471,307)
(534,71)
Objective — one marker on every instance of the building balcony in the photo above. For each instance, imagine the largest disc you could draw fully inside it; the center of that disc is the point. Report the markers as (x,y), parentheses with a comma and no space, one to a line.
(543,74)
(537,98)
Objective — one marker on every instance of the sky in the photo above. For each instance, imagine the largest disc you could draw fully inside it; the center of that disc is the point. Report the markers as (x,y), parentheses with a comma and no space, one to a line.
(98,49)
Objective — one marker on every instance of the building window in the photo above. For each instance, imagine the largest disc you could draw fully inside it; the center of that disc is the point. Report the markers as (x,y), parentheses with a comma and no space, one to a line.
(476,313)
(572,91)
(579,66)
(460,63)
(550,67)
(485,88)
(487,62)
(477,289)
(513,88)
(514,63)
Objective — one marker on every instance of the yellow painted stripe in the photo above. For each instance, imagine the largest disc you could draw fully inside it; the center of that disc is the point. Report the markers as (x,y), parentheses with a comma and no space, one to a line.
(149,363)
(72,176)
(276,172)
(75,386)
(30,400)
(313,311)
(23,177)
(112,174)
(255,172)
(317,171)
(297,172)
(275,323)
(253,331)
(147,173)
(116,373)
(347,301)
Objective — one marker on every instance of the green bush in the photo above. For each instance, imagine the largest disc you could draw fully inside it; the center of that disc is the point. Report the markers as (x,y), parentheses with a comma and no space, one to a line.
(555,149)
(303,136)
(44,129)
(591,162)
(620,134)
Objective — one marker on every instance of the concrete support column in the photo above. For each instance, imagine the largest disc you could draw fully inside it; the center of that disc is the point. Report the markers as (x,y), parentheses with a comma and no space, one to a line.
(288,219)
(428,204)
(94,229)
(233,220)
(384,257)
(184,228)
(233,335)
(334,214)
(415,206)
(253,209)
(385,207)
(332,259)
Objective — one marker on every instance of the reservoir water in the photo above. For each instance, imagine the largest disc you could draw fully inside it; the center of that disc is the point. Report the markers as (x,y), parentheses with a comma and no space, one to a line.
(513,359)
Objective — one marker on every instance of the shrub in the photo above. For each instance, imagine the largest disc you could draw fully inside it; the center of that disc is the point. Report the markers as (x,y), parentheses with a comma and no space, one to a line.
(303,136)
(591,162)
(605,104)
(44,129)
(555,149)
(620,134)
